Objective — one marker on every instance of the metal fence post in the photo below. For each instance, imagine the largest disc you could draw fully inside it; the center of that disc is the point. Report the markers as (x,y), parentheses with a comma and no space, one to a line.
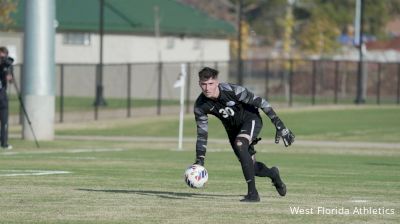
(61,93)
(291,83)
(313,81)
(266,78)
(335,97)
(21,115)
(159,95)
(398,83)
(188,88)
(378,84)
(128,102)
(96,105)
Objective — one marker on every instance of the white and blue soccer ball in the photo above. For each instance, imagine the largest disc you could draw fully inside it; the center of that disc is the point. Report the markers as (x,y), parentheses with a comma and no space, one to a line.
(196,176)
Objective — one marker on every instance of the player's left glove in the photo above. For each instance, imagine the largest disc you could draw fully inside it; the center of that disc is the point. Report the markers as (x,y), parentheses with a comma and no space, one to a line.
(282,132)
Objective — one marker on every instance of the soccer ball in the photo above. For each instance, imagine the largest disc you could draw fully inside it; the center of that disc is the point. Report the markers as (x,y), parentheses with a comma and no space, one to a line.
(196,176)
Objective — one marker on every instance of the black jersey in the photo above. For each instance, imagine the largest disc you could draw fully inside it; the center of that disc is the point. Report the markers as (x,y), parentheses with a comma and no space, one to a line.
(4,71)
(234,105)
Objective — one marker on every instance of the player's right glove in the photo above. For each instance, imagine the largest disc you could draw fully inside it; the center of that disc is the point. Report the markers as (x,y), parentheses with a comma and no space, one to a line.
(282,132)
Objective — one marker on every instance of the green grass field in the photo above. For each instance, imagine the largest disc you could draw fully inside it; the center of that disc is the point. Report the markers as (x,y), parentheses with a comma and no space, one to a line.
(141,182)
(86,103)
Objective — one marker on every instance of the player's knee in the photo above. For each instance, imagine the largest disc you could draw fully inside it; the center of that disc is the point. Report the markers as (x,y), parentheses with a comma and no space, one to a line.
(241,144)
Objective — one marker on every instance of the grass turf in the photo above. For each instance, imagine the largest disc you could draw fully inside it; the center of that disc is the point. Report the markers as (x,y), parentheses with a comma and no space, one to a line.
(116,182)
(370,124)
(86,103)
(139,182)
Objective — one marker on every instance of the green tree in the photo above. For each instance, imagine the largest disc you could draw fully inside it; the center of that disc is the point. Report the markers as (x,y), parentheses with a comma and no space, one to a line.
(319,36)
(6,8)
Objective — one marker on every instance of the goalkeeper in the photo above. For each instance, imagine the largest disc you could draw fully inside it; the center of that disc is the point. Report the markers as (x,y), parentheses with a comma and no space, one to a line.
(237,108)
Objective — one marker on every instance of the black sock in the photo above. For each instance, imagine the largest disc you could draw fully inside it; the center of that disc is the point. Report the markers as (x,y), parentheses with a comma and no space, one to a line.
(241,147)
(261,170)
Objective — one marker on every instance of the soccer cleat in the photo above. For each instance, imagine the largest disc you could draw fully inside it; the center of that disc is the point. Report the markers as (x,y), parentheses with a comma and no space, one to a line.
(7,147)
(277,182)
(251,197)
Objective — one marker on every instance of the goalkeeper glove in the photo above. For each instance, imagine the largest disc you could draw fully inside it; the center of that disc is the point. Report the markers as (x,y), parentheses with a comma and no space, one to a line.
(282,132)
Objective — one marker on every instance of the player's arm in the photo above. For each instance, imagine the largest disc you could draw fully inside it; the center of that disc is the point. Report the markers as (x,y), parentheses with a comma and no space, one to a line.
(248,97)
(202,135)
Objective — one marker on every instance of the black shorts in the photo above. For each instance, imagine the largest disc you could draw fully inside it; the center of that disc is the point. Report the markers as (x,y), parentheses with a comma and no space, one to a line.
(251,127)
(3,99)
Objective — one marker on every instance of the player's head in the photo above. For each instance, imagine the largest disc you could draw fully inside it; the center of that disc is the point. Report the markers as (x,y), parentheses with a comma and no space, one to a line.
(3,52)
(208,81)
(208,73)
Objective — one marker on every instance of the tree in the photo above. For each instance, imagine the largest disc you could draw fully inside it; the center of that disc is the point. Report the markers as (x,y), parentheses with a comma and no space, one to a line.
(6,8)
(319,36)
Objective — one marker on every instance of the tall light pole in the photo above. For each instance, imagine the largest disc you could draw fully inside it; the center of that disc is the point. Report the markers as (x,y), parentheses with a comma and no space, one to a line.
(38,79)
(100,101)
(239,41)
(360,99)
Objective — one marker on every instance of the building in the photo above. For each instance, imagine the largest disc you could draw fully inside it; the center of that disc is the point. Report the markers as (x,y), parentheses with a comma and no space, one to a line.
(186,35)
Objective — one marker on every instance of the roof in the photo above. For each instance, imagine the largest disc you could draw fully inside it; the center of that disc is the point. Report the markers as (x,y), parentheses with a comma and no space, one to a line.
(132,16)
(392,44)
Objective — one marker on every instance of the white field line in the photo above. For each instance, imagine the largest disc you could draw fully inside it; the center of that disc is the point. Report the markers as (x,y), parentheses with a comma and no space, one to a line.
(58,151)
(13,173)
(359,201)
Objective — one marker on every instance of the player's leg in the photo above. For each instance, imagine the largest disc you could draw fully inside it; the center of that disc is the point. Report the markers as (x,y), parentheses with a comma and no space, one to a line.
(240,146)
(260,169)
(244,138)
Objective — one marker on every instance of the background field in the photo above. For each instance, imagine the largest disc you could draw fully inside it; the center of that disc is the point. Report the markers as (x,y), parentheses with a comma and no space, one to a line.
(129,171)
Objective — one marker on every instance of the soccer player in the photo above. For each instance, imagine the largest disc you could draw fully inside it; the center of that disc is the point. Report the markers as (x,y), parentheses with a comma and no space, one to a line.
(237,108)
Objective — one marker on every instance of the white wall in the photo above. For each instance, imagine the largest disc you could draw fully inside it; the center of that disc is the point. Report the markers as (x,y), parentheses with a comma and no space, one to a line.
(131,49)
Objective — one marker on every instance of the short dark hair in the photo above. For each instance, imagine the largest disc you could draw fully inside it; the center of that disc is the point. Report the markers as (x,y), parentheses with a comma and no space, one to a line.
(4,50)
(206,73)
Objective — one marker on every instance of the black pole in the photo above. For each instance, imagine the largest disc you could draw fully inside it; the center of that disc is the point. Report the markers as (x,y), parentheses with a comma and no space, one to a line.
(25,113)
(239,40)
(360,75)
(291,83)
(96,105)
(266,78)
(378,85)
(188,77)
(61,93)
(21,114)
(100,101)
(128,102)
(398,83)
(313,82)
(159,95)
(335,97)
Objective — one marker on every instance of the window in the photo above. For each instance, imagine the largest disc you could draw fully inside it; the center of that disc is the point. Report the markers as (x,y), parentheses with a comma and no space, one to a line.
(77,38)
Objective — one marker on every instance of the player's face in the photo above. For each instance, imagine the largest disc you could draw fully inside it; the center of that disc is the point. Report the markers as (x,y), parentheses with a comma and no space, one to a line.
(210,88)
(2,55)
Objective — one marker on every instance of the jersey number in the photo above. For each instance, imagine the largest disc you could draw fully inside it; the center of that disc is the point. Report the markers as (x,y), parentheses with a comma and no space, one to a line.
(227,112)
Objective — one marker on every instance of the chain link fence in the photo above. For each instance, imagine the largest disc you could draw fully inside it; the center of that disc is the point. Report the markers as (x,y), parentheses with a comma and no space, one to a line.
(131,90)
